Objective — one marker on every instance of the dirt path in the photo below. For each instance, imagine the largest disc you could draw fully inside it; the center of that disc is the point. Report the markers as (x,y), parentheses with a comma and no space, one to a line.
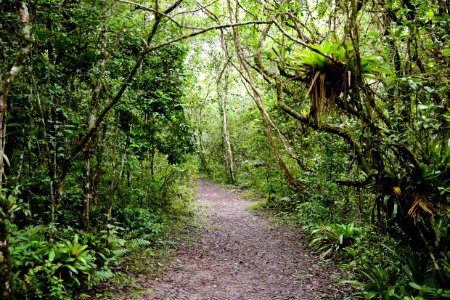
(242,256)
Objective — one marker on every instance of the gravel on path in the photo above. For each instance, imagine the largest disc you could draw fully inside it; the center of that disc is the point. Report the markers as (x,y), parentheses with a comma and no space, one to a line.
(243,256)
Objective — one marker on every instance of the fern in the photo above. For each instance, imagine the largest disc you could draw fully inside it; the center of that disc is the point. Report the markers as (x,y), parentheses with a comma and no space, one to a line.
(120,252)
(115,241)
(31,233)
(132,234)
(137,243)
(101,275)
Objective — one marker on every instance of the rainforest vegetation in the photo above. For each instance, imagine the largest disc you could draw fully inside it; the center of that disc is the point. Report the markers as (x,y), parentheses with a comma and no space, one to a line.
(334,112)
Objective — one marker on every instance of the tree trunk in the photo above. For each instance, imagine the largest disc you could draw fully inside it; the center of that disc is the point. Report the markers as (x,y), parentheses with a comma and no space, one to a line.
(49,158)
(228,153)
(90,145)
(95,183)
(117,176)
(199,134)
(87,186)
(201,154)
(248,78)
(98,167)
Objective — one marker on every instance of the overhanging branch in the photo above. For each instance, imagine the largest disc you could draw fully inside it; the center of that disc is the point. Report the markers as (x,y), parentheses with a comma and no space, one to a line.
(216,27)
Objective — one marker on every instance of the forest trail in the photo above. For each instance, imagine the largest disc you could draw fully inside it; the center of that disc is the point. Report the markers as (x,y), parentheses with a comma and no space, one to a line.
(242,256)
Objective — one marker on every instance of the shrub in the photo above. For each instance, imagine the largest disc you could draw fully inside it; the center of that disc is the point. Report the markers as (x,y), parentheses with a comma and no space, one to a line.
(333,238)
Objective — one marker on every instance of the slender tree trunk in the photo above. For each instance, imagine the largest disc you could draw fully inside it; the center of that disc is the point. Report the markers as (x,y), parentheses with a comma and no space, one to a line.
(98,168)
(115,181)
(201,154)
(152,161)
(95,183)
(228,153)
(248,78)
(50,160)
(199,134)
(19,170)
(116,174)
(90,145)
(87,186)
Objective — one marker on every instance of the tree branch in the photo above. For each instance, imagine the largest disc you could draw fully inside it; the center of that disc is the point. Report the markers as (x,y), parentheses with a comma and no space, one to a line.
(330,128)
(147,49)
(356,183)
(184,37)
(267,122)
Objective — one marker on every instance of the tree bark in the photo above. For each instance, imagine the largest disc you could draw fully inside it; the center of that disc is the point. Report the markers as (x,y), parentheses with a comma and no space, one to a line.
(90,145)
(87,186)
(228,152)
(247,76)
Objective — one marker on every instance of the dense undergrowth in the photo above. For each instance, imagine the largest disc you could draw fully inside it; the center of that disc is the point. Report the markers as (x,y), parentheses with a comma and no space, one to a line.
(377,265)
(69,263)
(60,261)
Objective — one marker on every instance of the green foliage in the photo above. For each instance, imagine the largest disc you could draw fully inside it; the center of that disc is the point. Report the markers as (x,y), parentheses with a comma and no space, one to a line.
(57,267)
(310,213)
(71,259)
(12,205)
(378,286)
(141,220)
(332,239)
(398,274)
(46,269)
(329,70)
(318,56)
(122,182)
(379,155)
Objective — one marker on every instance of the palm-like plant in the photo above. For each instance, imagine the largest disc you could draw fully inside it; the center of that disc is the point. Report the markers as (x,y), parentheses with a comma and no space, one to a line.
(322,67)
(328,69)
(333,238)
(70,259)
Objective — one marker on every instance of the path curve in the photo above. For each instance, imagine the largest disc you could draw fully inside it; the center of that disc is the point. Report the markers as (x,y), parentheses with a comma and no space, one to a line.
(242,256)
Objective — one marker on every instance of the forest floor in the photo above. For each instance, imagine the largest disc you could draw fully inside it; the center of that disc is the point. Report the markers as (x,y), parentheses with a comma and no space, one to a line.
(240,255)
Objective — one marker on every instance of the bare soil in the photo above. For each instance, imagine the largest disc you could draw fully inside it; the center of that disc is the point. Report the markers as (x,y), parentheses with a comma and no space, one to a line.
(242,256)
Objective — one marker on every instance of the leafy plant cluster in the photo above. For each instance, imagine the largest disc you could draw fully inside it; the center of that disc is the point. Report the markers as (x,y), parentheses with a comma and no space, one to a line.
(392,272)
(96,142)
(56,262)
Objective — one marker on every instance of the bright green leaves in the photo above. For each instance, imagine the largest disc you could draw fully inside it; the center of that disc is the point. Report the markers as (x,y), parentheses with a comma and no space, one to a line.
(319,56)
(331,239)
(373,65)
(71,261)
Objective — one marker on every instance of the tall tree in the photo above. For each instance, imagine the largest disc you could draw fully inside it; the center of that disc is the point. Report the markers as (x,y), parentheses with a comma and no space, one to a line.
(222,84)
